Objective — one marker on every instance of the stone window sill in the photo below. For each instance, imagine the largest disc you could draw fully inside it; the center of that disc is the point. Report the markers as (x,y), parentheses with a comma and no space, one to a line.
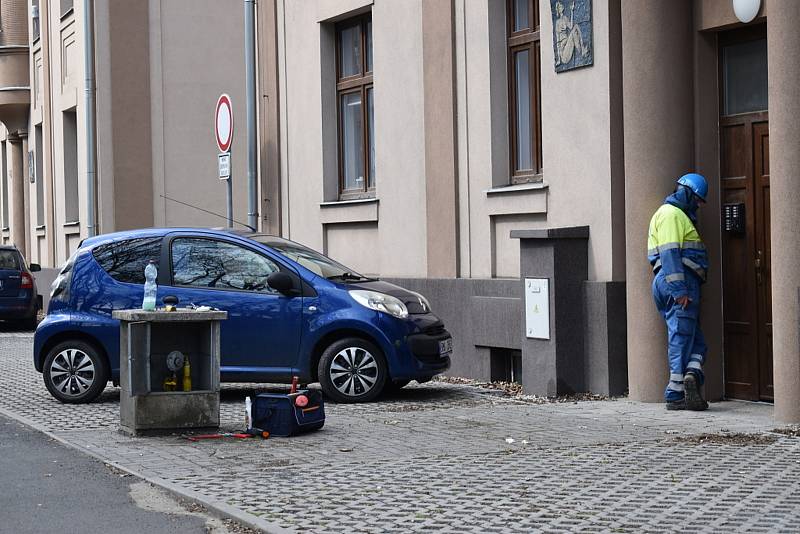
(72,228)
(520,199)
(517,188)
(349,211)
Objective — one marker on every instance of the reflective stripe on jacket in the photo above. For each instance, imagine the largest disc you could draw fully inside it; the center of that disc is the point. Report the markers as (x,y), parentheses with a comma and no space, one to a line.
(675,247)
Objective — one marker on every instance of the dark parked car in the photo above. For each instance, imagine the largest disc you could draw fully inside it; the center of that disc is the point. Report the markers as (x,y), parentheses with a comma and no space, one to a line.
(19,300)
(291,312)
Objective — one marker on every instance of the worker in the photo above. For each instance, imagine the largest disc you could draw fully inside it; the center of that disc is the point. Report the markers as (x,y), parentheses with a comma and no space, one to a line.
(679,262)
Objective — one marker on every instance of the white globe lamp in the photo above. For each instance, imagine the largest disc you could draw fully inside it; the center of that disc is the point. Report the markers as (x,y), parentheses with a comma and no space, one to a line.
(746,10)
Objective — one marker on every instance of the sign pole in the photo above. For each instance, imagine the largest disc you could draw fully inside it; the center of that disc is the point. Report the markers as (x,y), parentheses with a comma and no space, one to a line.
(223,131)
(229,188)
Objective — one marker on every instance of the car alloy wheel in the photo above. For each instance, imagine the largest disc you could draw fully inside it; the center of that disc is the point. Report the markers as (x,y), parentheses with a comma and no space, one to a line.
(75,372)
(72,372)
(354,371)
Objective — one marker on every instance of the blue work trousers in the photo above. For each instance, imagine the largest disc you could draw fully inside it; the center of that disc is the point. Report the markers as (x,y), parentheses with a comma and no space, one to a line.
(686,346)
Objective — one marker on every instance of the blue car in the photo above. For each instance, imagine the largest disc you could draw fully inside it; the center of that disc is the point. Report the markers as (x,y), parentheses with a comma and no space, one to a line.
(291,312)
(19,300)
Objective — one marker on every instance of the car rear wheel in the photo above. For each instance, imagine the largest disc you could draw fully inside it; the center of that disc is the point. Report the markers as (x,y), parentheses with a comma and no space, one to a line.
(352,370)
(74,372)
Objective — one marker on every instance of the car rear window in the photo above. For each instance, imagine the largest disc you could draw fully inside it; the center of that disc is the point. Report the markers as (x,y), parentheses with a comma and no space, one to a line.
(125,260)
(9,259)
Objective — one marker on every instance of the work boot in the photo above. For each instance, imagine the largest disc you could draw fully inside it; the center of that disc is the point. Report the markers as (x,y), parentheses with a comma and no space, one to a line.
(694,400)
(676,405)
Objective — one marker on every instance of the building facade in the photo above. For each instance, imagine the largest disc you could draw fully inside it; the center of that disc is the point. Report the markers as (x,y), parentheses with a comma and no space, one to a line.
(156,76)
(460,147)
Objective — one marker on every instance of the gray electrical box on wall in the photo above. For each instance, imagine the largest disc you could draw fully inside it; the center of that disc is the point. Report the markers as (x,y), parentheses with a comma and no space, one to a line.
(537,308)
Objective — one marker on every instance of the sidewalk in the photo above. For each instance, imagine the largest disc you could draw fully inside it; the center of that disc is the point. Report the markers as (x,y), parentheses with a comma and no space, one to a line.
(456,458)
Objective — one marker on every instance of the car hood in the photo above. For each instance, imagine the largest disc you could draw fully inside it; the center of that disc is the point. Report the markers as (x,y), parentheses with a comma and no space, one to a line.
(410,299)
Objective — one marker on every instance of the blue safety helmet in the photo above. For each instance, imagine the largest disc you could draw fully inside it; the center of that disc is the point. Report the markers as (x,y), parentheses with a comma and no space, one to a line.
(696,183)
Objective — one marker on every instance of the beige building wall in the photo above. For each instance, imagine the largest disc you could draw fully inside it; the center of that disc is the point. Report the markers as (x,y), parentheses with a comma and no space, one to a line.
(381,235)
(60,92)
(389,235)
(579,114)
(160,66)
(194,56)
(56,224)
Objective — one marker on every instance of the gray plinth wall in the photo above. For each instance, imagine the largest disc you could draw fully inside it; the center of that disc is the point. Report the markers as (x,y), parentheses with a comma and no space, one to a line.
(587,346)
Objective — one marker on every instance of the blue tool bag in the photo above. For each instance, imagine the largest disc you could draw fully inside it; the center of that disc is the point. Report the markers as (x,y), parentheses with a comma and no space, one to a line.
(280,415)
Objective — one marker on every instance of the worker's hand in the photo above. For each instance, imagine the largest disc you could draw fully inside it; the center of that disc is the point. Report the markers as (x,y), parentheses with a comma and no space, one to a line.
(683,301)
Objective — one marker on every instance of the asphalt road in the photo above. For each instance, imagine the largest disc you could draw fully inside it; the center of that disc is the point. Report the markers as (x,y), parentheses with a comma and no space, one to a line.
(48,487)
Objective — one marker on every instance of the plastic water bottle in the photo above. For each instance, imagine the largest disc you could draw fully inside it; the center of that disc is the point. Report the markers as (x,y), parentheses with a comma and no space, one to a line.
(150,287)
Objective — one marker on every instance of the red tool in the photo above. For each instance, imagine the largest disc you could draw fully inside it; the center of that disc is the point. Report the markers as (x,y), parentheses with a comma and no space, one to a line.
(218,436)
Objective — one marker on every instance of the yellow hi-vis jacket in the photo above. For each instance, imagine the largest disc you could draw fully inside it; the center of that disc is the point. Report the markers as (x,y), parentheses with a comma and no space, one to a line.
(674,248)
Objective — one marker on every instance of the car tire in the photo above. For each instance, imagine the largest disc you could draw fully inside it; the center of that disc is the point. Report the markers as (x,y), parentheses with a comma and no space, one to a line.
(75,372)
(394,386)
(352,370)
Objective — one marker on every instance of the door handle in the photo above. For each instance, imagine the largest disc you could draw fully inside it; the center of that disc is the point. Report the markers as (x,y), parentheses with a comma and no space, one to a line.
(758,262)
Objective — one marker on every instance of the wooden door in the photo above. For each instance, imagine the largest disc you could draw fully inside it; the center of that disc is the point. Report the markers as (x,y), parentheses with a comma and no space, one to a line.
(747,309)
(763,258)
(744,188)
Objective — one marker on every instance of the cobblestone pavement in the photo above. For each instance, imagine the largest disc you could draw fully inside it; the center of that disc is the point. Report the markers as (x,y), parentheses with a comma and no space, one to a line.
(440,457)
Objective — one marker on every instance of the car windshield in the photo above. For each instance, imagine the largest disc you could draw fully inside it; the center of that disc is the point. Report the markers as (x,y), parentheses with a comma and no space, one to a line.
(9,259)
(310,259)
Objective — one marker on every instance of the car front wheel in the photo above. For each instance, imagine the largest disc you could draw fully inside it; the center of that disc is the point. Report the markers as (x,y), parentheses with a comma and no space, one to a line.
(74,372)
(352,370)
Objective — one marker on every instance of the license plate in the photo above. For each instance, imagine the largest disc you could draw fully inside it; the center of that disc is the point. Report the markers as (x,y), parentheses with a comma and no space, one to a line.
(446,346)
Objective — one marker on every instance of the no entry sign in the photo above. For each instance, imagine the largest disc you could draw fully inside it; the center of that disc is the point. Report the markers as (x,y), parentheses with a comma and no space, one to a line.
(223,123)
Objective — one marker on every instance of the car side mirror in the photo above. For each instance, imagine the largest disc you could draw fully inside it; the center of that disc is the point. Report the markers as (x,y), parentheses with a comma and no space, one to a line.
(281,282)
(35,267)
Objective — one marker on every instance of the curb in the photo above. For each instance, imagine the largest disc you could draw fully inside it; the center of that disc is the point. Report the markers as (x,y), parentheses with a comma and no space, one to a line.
(219,509)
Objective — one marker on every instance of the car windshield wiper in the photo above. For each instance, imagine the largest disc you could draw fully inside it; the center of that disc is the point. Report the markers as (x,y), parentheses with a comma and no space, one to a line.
(348,276)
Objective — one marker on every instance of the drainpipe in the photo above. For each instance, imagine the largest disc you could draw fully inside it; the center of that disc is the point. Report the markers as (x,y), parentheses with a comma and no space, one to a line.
(91,155)
(250,83)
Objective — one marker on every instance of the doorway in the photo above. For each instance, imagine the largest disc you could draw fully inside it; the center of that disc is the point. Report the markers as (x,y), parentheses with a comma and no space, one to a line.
(744,189)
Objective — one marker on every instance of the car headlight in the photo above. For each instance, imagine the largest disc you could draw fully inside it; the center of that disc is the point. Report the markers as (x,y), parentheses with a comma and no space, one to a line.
(380,302)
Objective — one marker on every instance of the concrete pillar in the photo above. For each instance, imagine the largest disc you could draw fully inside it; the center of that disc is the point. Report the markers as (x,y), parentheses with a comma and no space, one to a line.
(657,60)
(17,201)
(555,366)
(441,180)
(784,155)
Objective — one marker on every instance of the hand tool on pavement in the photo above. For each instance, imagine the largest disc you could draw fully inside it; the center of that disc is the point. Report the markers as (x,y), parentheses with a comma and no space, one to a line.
(220,435)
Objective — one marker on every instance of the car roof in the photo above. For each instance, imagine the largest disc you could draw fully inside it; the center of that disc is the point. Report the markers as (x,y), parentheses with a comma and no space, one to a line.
(148,232)
(9,247)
